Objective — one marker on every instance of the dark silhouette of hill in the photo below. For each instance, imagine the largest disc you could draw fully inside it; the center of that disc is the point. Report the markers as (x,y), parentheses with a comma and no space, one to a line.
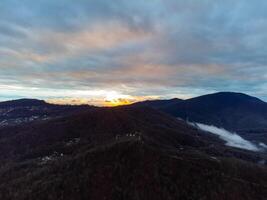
(125,152)
(27,110)
(23,103)
(159,104)
(233,111)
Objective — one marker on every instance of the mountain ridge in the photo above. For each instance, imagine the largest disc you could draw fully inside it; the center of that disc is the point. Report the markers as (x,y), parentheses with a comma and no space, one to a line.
(23,102)
(124,153)
(235,112)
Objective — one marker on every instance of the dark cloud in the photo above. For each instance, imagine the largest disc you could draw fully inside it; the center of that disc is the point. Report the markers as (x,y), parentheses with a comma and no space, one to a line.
(162,48)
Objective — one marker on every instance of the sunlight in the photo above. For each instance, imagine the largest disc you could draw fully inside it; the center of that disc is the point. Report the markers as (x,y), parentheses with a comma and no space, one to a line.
(115,99)
(93,97)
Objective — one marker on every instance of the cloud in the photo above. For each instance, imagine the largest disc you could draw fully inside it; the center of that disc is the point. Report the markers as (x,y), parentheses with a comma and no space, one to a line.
(162,48)
(231,139)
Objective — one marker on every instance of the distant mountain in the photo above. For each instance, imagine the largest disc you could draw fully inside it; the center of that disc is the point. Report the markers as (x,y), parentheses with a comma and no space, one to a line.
(28,110)
(159,104)
(232,111)
(125,152)
(23,103)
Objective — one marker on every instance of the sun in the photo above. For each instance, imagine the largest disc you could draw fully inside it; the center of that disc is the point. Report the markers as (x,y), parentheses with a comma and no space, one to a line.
(116,99)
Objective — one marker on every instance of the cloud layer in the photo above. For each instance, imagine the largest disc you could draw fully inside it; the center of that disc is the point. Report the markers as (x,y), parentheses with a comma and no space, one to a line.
(231,139)
(50,49)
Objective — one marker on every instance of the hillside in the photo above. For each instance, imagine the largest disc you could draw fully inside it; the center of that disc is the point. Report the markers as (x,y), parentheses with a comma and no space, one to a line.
(22,111)
(233,111)
(124,153)
(159,104)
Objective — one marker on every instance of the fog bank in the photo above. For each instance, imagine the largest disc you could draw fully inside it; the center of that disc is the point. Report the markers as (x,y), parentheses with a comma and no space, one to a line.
(232,139)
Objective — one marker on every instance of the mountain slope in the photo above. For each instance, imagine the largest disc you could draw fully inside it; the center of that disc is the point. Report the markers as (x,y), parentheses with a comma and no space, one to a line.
(28,110)
(23,103)
(233,111)
(132,170)
(159,104)
(124,153)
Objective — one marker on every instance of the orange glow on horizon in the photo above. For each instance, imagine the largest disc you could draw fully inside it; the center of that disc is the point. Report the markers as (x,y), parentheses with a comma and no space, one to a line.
(109,99)
(115,99)
(117,102)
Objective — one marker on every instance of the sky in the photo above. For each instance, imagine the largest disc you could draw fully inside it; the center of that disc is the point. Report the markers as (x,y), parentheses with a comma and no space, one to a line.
(120,51)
